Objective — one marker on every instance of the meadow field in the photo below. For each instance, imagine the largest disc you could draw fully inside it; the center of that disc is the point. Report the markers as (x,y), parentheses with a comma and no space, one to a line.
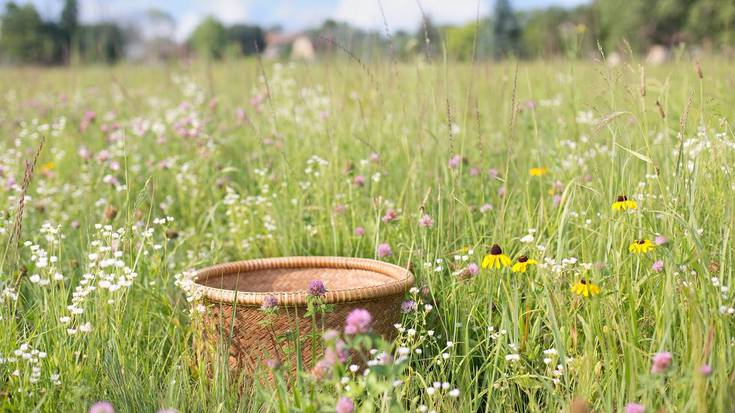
(616,183)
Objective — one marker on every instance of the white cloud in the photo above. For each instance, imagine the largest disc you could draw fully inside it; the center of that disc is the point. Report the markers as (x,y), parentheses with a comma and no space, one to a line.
(406,14)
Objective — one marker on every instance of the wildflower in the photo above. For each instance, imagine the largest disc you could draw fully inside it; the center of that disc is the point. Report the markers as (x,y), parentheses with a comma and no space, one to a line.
(454,393)
(454,161)
(359,231)
(358,321)
(622,203)
(660,240)
(634,408)
(705,370)
(384,250)
(102,407)
(338,352)
(269,303)
(585,288)
(320,370)
(359,181)
(661,362)
(426,221)
(485,208)
(496,258)
(641,246)
(344,405)
(273,364)
(658,266)
(538,171)
(317,288)
(408,306)
(523,263)
(390,216)
(472,269)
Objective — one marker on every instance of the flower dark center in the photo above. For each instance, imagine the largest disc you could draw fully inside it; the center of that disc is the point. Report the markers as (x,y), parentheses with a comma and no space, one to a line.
(583,281)
(522,258)
(495,250)
(622,198)
(641,241)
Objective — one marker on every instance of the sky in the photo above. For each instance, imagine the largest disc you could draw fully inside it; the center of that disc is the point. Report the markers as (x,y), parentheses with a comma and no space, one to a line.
(293,15)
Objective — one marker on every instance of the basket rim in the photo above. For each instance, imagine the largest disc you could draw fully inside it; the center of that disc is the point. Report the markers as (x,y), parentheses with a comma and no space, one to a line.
(403,279)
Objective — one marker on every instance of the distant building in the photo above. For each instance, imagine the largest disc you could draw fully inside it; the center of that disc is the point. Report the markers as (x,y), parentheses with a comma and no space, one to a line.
(294,45)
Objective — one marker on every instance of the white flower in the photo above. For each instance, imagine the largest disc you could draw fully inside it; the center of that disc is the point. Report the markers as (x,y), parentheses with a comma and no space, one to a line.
(430,391)
(512,357)
(86,327)
(454,392)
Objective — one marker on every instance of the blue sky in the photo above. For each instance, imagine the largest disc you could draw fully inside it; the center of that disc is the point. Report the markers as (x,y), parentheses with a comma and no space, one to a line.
(293,14)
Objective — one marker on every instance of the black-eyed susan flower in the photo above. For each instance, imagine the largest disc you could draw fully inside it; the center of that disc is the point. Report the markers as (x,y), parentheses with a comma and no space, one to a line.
(622,203)
(641,246)
(522,264)
(495,258)
(585,288)
(538,171)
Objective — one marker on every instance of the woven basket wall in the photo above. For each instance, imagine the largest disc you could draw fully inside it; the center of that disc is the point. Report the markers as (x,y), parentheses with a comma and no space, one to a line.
(234,292)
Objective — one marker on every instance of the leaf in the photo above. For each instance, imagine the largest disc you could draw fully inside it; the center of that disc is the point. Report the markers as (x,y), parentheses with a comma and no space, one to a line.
(638,155)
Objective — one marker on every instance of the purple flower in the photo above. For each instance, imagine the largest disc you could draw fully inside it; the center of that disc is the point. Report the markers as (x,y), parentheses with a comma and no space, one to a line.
(634,408)
(390,215)
(359,180)
(358,321)
(454,161)
(473,269)
(384,250)
(486,207)
(426,221)
(705,370)
(269,302)
(344,405)
(557,200)
(359,231)
(409,306)
(660,240)
(374,157)
(317,288)
(102,407)
(330,335)
(661,362)
(338,352)
(474,171)
(273,364)
(492,172)
(501,191)
(340,209)
(658,266)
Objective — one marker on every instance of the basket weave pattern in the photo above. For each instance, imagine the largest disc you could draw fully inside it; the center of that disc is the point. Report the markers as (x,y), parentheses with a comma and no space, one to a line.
(234,292)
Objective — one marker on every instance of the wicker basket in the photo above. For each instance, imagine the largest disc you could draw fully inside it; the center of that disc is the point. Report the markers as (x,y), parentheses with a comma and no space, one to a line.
(233,294)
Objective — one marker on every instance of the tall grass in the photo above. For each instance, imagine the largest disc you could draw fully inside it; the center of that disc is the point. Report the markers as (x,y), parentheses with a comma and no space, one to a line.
(279,178)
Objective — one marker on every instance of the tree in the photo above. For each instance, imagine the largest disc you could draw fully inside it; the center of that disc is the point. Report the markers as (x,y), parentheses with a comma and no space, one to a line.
(506,29)
(103,43)
(209,39)
(249,39)
(25,38)
(69,24)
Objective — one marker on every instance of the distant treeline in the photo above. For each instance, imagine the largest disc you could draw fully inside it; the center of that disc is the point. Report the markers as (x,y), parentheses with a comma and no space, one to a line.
(625,26)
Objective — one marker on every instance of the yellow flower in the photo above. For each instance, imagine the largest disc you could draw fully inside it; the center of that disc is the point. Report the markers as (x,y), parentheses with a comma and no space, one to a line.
(585,288)
(622,203)
(496,258)
(641,246)
(537,171)
(47,167)
(522,264)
